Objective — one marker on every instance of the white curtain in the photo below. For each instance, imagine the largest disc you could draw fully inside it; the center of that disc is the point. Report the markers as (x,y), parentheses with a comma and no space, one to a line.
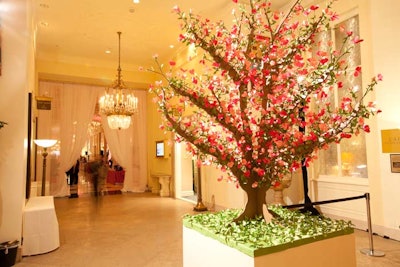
(129,147)
(73,106)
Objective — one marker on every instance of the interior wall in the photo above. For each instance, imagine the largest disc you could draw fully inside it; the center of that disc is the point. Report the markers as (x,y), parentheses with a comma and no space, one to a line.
(386,58)
(186,171)
(222,194)
(16,81)
(379,30)
(157,165)
(93,75)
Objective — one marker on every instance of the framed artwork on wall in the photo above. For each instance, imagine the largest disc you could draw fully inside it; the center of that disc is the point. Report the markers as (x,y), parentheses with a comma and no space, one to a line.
(395,162)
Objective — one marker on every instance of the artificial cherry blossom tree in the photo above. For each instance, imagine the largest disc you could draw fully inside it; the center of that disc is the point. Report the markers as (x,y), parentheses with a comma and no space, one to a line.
(260,93)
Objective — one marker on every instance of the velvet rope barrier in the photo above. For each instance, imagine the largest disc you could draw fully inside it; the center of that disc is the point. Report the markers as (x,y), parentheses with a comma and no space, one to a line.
(367,251)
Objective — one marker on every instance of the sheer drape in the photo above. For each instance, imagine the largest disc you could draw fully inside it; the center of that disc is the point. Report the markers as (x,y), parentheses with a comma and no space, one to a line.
(73,107)
(129,147)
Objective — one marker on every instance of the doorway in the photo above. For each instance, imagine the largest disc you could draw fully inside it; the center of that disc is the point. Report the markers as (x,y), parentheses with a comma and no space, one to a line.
(185,173)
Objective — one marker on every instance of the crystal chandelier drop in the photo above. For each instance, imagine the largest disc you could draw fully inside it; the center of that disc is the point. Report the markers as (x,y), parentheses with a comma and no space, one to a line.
(117,103)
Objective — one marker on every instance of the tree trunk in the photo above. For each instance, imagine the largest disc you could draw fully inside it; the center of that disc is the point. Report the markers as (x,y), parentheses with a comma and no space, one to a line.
(255,202)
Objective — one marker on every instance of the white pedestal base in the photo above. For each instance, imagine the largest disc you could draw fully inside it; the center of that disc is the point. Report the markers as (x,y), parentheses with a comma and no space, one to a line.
(203,251)
(161,184)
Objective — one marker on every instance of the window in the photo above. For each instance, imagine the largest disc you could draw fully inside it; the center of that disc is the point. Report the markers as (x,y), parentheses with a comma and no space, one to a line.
(348,159)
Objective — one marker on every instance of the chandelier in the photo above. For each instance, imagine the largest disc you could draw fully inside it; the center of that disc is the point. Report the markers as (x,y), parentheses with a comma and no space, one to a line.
(117,103)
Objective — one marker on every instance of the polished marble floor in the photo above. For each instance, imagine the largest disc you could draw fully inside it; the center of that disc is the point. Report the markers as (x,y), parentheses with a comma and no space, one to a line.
(144,230)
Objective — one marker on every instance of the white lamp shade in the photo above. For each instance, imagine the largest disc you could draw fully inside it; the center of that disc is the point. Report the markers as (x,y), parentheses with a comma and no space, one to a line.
(45,142)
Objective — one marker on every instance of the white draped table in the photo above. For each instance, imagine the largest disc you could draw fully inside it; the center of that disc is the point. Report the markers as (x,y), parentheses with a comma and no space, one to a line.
(40,226)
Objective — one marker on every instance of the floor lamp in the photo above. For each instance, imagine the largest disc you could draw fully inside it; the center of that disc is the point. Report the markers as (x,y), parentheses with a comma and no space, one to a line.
(45,143)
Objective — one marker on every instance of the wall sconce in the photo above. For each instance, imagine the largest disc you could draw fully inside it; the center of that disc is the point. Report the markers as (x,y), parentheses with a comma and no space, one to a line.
(45,143)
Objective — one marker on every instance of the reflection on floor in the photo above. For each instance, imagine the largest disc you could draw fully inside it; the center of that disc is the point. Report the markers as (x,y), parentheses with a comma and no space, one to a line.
(192,198)
(86,187)
(143,230)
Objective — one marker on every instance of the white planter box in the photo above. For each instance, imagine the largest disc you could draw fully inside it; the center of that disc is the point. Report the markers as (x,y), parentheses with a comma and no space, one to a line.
(202,251)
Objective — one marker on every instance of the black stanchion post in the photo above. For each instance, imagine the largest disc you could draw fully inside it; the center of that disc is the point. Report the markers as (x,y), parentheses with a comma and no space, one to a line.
(199,206)
(370,251)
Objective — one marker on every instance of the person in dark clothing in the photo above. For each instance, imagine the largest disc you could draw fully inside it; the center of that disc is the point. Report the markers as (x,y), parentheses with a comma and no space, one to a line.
(73,174)
(98,170)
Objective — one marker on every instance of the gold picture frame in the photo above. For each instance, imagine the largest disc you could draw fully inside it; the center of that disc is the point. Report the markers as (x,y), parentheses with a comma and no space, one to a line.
(395,163)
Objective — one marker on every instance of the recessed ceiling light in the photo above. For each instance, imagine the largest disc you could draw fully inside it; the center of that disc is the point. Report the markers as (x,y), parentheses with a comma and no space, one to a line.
(107,51)
(44,24)
(136,1)
(171,46)
(44,5)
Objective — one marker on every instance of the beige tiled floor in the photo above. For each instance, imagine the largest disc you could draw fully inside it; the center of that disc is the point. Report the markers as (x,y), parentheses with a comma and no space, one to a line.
(143,230)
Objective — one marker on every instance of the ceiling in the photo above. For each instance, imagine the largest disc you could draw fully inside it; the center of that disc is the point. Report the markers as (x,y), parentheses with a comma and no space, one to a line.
(80,31)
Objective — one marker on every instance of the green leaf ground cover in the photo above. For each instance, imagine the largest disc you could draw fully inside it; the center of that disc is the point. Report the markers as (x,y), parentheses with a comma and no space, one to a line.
(255,237)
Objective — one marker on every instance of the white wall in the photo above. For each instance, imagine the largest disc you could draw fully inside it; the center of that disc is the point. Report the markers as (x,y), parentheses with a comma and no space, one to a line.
(223,194)
(379,28)
(15,82)
(219,195)
(386,56)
